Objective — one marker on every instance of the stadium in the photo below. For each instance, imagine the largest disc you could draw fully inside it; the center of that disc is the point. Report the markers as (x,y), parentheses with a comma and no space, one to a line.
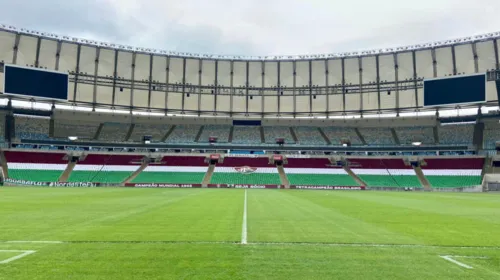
(121,162)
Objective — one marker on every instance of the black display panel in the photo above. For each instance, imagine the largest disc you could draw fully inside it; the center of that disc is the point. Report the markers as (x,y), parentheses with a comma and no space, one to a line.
(455,90)
(35,82)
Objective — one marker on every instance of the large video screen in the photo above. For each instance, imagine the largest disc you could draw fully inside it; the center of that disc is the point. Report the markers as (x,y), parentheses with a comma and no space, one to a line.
(455,90)
(35,82)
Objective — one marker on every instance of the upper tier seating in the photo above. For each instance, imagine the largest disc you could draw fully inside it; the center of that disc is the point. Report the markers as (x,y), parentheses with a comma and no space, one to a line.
(246,135)
(273,132)
(2,130)
(156,131)
(35,128)
(308,135)
(337,134)
(491,135)
(114,132)
(408,135)
(377,136)
(456,134)
(219,131)
(183,134)
(64,129)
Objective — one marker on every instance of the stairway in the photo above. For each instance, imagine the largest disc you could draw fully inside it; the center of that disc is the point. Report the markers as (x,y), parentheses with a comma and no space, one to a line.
(283,177)
(262,137)
(197,138)
(168,133)
(130,131)
(136,173)
(3,162)
(354,176)
(395,136)
(361,138)
(231,131)
(421,177)
(328,142)
(294,136)
(208,176)
(98,132)
(67,172)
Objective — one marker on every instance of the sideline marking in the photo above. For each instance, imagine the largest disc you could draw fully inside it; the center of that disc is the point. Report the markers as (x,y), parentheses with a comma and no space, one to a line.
(332,244)
(23,254)
(451,259)
(244,226)
(41,241)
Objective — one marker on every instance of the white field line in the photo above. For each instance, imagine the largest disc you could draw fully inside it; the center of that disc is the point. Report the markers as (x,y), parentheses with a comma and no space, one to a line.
(365,245)
(451,259)
(41,241)
(244,225)
(23,254)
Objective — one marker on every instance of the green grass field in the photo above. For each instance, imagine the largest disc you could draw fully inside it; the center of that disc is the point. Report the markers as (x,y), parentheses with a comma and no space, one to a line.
(121,233)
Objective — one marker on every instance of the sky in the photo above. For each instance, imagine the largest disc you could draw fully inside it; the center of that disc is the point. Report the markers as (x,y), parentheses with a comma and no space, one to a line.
(257,27)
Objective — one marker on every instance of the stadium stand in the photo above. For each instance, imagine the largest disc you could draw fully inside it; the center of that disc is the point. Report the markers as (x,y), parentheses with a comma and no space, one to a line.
(36,167)
(64,129)
(30,127)
(183,134)
(308,135)
(273,132)
(447,172)
(2,130)
(114,132)
(219,131)
(337,134)
(261,172)
(377,136)
(102,168)
(246,135)
(384,172)
(174,170)
(408,135)
(491,134)
(156,131)
(456,134)
(316,172)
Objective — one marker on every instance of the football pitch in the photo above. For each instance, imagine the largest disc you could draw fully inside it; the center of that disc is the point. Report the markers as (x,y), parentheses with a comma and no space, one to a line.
(120,233)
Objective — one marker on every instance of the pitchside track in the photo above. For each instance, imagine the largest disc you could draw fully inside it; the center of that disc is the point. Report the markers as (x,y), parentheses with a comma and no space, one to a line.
(117,233)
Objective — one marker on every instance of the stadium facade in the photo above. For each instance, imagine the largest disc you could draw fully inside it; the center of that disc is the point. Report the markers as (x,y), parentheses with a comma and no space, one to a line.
(369,82)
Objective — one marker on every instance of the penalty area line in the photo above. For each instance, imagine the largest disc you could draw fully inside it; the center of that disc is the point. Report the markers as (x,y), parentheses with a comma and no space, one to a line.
(23,254)
(244,225)
(452,259)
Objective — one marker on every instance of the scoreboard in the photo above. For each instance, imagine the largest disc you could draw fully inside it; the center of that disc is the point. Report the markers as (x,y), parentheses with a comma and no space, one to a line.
(455,90)
(35,82)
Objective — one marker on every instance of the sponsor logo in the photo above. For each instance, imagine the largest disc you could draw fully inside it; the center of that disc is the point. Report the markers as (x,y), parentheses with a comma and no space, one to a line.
(51,184)
(328,188)
(163,186)
(245,169)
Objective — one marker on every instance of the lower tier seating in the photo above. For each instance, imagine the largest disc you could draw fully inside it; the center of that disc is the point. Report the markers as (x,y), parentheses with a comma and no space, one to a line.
(388,177)
(35,172)
(448,181)
(112,177)
(172,175)
(319,177)
(321,180)
(391,181)
(230,175)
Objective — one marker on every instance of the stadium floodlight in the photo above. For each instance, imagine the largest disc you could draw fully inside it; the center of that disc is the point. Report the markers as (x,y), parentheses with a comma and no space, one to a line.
(72,138)
(417,143)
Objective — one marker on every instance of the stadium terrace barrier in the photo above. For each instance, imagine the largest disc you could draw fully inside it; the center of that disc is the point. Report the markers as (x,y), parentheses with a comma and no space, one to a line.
(153,185)
(15,182)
